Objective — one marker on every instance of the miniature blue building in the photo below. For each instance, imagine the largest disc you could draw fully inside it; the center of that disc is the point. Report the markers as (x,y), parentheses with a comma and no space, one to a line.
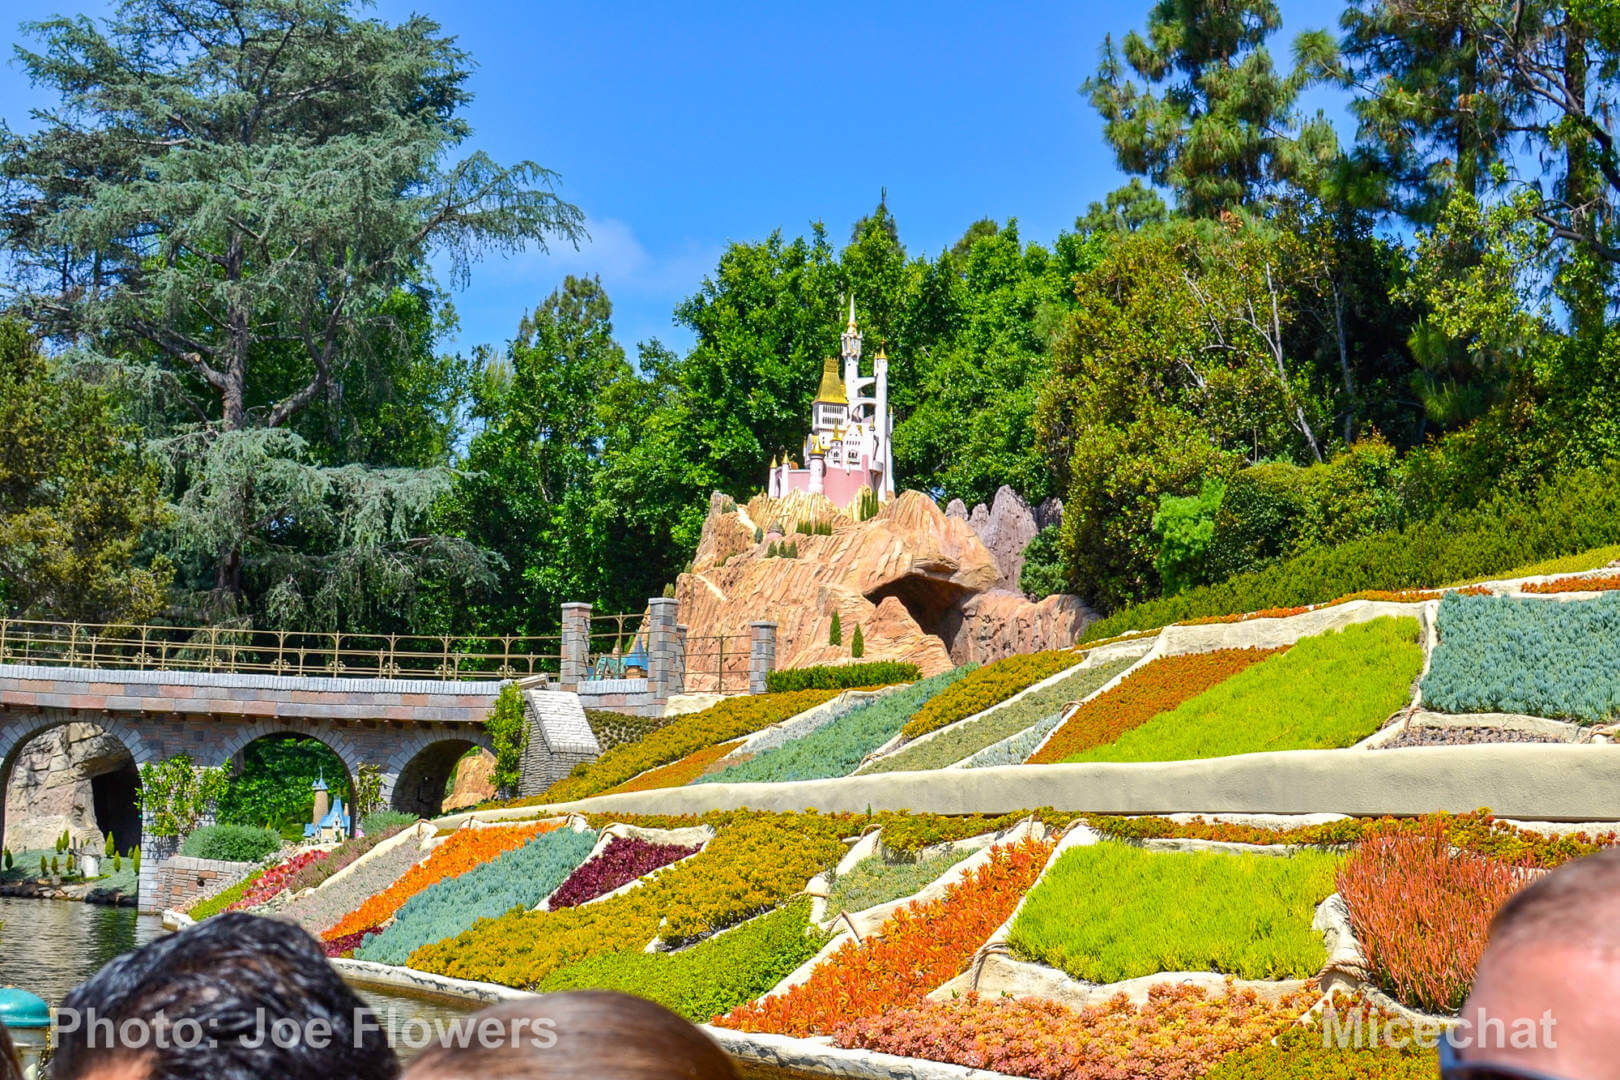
(331,824)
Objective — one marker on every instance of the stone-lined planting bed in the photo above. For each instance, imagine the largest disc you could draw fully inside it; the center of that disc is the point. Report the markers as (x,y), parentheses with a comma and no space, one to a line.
(322,909)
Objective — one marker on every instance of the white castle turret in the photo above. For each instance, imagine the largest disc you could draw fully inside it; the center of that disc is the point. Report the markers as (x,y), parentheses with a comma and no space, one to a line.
(849,445)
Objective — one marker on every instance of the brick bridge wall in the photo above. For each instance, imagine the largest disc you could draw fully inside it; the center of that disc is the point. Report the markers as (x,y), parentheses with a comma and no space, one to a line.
(412,730)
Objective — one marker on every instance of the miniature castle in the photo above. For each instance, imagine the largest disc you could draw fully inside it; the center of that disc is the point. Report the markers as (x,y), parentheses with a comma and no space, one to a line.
(331,822)
(849,445)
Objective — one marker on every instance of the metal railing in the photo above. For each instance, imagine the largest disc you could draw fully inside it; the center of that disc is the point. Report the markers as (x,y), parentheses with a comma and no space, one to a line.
(717,664)
(617,648)
(276,652)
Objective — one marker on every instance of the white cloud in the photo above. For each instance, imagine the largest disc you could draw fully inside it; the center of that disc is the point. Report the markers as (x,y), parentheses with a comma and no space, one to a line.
(614,253)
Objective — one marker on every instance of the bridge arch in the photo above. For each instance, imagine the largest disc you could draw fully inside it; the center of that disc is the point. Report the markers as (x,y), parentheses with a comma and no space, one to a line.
(114,793)
(416,775)
(230,751)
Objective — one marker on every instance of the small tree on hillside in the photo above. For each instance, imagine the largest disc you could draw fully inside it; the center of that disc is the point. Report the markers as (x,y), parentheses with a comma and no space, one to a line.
(835,636)
(857,644)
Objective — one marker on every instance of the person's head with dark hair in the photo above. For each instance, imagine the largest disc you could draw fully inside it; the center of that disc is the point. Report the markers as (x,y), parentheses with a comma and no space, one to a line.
(1546,995)
(237,997)
(579,1035)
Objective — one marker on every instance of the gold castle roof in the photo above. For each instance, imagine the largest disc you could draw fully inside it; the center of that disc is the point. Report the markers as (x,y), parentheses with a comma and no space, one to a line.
(832,390)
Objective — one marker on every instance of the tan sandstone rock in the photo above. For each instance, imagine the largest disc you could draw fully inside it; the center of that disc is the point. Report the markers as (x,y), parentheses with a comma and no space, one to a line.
(918,583)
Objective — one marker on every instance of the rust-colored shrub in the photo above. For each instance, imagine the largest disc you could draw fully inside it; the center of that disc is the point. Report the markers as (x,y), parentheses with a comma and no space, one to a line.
(679,773)
(1420,909)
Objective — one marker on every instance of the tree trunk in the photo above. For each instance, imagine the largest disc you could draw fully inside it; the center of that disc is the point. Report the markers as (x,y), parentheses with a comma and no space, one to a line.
(1585,293)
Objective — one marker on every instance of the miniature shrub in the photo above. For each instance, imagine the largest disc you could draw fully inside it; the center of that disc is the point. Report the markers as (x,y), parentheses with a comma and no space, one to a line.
(836,749)
(517,878)
(722,722)
(1179,1032)
(272,881)
(857,644)
(835,633)
(615,728)
(841,676)
(1327,691)
(1541,657)
(1144,694)
(1420,910)
(1304,1052)
(754,863)
(710,977)
(222,900)
(678,773)
(386,821)
(465,850)
(1575,511)
(625,859)
(999,722)
(872,881)
(922,946)
(987,686)
(231,843)
(1111,911)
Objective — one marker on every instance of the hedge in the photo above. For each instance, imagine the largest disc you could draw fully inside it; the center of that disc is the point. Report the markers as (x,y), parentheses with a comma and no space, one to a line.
(1327,692)
(841,676)
(987,686)
(712,976)
(516,879)
(1542,657)
(1110,911)
(721,722)
(971,736)
(1571,513)
(836,749)
(231,843)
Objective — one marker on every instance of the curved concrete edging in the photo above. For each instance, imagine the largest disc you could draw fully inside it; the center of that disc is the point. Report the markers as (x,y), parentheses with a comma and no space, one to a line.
(808,1055)
(1545,782)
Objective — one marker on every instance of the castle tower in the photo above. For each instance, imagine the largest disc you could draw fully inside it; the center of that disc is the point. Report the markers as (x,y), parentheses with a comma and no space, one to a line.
(323,800)
(851,350)
(883,423)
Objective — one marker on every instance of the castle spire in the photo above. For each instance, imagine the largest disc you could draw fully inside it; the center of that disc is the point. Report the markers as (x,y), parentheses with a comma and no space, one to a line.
(851,326)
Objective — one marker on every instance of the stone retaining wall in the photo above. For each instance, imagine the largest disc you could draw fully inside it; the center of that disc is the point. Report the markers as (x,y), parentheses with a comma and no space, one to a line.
(181,881)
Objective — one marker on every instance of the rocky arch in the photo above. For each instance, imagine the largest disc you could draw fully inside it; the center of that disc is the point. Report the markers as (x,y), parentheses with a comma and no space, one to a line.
(417,775)
(108,766)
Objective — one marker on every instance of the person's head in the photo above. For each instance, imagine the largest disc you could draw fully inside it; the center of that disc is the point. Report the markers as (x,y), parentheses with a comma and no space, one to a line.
(234,998)
(1546,996)
(580,1035)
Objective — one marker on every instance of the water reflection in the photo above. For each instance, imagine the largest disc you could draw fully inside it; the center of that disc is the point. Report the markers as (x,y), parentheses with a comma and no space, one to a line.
(50,946)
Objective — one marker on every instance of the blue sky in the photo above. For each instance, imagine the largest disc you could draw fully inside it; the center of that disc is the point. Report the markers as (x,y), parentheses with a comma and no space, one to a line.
(679,128)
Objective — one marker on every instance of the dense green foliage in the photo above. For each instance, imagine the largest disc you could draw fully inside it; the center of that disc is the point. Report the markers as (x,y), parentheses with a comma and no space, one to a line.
(231,843)
(1541,657)
(712,976)
(274,788)
(381,821)
(515,879)
(1111,911)
(1326,692)
(1000,722)
(508,728)
(175,794)
(836,749)
(1571,513)
(841,676)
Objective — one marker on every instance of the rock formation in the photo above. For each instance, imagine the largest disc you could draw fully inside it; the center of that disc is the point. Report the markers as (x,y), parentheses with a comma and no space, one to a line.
(921,585)
(54,786)
(472,783)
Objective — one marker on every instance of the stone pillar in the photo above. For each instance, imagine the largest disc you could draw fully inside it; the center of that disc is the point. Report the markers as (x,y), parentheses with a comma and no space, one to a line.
(661,648)
(678,673)
(576,644)
(761,654)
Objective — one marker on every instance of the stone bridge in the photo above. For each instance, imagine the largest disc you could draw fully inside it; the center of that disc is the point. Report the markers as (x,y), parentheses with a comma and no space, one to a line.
(413,731)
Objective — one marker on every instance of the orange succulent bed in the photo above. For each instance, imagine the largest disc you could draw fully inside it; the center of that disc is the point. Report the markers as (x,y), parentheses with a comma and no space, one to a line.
(922,946)
(678,773)
(1600,583)
(466,849)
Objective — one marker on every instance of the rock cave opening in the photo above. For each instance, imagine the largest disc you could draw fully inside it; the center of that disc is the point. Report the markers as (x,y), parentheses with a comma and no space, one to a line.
(78,778)
(935,605)
(115,797)
(429,780)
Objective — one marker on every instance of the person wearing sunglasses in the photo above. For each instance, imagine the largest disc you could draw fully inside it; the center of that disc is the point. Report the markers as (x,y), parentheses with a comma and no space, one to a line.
(1545,1004)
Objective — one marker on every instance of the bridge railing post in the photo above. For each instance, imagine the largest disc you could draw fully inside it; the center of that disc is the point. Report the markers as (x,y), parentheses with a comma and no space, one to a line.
(576,644)
(761,655)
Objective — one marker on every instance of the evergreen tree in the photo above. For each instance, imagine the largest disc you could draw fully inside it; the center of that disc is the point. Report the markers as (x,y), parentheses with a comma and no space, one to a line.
(228,197)
(835,636)
(857,644)
(1216,122)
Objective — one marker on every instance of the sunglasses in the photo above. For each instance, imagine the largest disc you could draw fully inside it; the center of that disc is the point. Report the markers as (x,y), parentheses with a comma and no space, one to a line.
(1453,1069)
